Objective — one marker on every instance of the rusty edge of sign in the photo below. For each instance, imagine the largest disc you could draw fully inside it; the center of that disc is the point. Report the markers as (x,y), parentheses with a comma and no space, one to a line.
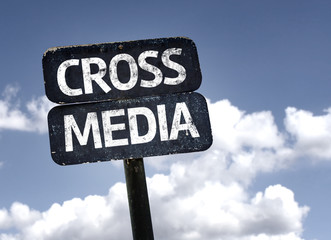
(54,49)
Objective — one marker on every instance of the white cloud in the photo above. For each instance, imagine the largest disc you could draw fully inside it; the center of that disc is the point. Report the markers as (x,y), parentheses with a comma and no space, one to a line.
(5,221)
(211,211)
(311,134)
(33,119)
(236,130)
(202,196)
(95,217)
(247,143)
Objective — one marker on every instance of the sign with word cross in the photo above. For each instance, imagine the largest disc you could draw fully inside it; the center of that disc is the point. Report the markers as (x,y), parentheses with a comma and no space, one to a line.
(121,70)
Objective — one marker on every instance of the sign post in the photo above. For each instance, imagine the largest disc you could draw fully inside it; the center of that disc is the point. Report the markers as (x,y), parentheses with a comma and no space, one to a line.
(141,221)
(126,100)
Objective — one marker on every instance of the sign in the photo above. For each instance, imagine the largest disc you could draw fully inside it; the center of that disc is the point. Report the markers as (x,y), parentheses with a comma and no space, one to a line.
(121,70)
(129,128)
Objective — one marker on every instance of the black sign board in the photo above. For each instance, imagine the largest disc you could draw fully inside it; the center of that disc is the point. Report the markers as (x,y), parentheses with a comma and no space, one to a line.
(129,128)
(121,70)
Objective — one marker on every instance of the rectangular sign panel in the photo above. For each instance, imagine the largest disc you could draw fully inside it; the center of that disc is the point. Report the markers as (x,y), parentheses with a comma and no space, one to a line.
(130,128)
(121,70)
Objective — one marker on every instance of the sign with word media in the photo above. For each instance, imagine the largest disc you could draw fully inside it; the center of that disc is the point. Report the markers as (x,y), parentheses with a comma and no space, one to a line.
(121,70)
(129,128)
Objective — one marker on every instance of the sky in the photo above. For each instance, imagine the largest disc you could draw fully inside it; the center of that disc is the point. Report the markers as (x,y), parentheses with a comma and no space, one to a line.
(266,75)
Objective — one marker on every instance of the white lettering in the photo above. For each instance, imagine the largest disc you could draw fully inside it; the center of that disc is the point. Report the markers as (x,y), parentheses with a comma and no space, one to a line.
(182,121)
(109,128)
(97,77)
(70,126)
(150,68)
(161,113)
(173,65)
(61,78)
(132,115)
(133,71)
(181,109)
(114,75)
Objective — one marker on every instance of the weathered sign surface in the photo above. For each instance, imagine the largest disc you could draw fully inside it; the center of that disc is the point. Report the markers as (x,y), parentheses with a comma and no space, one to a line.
(121,70)
(129,128)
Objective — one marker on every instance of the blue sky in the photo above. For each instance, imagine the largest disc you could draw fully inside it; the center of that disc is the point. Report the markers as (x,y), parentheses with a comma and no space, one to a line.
(266,72)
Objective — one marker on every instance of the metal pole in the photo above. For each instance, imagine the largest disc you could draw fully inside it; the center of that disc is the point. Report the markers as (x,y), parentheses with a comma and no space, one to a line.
(140,214)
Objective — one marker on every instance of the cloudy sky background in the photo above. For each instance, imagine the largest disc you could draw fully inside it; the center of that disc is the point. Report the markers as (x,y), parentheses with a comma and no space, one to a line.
(266,74)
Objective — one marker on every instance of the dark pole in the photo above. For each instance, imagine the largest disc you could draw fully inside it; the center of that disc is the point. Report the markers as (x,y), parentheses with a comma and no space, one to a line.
(140,214)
